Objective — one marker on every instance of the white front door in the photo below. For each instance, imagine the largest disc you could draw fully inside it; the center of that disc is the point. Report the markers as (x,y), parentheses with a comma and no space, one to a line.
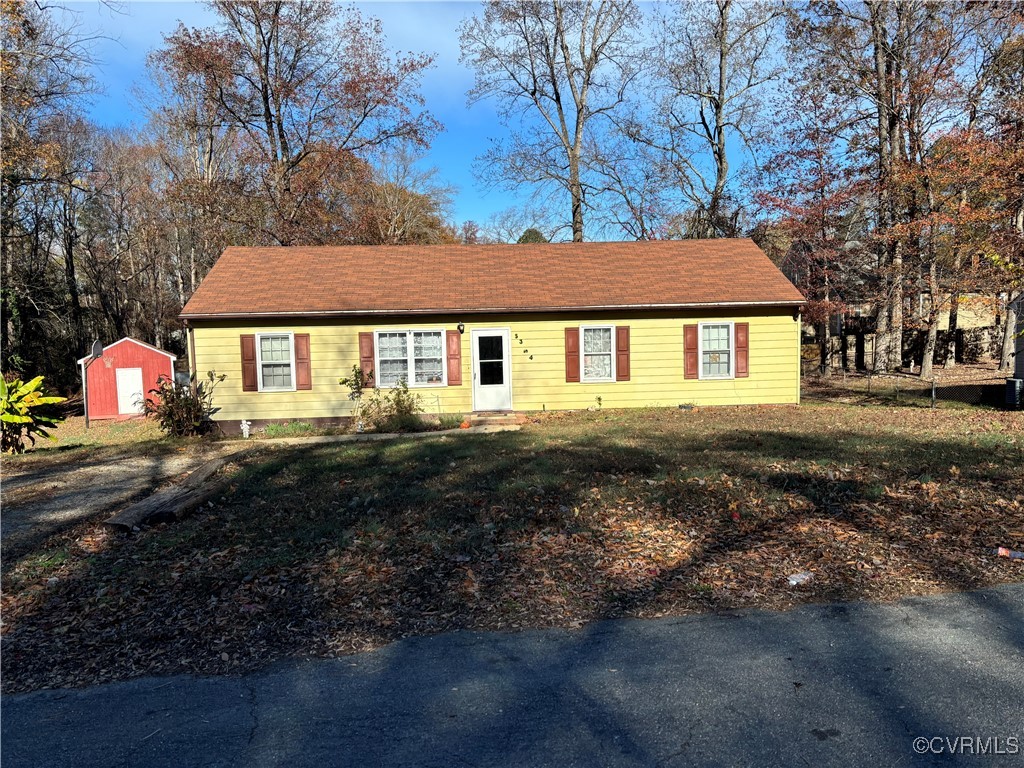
(129,390)
(492,384)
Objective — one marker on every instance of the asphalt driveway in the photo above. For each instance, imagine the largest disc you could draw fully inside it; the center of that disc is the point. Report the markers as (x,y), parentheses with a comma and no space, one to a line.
(851,684)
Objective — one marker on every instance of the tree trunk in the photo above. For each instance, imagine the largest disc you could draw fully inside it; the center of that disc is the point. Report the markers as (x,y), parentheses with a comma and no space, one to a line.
(7,303)
(884,318)
(824,348)
(576,192)
(70,277)
(928,359)
(880,349)
(954,314)
(721,158)
(1009,333)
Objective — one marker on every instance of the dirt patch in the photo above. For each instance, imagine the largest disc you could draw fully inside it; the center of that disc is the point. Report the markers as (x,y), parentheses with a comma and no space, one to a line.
(44,497)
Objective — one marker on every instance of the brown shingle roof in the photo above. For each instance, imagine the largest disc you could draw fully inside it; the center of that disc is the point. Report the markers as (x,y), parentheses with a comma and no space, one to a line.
(488,278)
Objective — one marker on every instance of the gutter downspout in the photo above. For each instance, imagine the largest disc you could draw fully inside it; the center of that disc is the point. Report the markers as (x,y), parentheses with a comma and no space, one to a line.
(798,316)
(190,331)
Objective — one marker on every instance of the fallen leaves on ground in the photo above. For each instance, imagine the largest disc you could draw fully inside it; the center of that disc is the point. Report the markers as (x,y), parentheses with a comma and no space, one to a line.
(328,550)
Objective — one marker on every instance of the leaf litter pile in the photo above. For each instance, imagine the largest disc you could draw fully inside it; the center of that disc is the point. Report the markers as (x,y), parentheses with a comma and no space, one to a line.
(332,549)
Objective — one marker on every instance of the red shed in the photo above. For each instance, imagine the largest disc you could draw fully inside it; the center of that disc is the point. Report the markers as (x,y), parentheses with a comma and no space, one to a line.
(122,377)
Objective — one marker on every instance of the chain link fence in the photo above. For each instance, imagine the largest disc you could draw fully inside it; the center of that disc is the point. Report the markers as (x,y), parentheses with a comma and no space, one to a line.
(964,388)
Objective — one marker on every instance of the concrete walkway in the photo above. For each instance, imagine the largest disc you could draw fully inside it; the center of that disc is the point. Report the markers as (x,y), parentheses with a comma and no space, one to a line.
(837,685)
(372,437)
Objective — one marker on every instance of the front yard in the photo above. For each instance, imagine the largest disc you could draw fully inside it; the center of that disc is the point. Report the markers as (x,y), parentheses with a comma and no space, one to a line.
(329,549)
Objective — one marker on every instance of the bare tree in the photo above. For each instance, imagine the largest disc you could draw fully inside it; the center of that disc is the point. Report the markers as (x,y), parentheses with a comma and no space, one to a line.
(712,65)
(45,74)
(409,203)
(555,68)
(631,177)
(509,224)
(307,85)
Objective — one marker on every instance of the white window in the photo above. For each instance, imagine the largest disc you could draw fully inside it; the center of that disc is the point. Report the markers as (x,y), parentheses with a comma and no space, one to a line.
(415,357)
(275,362)
(716,358)
(428,358)
(598,353)
(392,358)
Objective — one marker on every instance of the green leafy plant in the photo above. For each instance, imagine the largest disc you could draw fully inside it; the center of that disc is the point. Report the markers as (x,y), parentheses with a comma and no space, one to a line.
(449,420)
(291,429)
(356,383)
(184,411)
(393,410)
(26,411)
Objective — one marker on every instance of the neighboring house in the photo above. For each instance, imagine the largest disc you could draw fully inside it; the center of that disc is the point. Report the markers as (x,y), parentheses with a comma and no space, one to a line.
(496,327)
(120,380)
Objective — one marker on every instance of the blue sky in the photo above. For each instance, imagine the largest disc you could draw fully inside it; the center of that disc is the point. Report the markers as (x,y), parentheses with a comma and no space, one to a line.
(130,30)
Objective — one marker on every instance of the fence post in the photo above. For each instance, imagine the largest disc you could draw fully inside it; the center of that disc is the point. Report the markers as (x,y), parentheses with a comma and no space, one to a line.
(933,393)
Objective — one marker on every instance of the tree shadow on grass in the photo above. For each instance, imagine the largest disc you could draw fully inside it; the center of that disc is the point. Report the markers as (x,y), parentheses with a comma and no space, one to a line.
(334,548)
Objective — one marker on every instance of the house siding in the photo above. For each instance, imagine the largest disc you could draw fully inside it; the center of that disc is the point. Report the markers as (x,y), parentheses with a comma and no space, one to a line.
(537,363)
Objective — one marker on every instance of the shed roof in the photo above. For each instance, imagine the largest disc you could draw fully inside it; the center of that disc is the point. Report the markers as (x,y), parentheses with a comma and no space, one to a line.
(361,280)
(133,341)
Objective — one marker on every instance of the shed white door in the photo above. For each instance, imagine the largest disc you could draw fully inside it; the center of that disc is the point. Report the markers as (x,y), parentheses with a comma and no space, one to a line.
(129,391)
(492,383)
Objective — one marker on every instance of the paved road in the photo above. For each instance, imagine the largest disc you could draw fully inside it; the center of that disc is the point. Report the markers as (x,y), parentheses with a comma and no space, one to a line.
(821,686)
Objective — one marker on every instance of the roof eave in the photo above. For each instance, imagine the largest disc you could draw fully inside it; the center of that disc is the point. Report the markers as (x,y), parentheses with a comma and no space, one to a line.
(484,310)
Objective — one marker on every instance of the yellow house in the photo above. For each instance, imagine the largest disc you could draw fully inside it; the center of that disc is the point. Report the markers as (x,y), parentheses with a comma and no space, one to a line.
(483,328)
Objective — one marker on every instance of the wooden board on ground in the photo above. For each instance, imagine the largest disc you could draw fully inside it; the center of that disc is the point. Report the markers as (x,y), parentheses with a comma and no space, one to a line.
(177,501)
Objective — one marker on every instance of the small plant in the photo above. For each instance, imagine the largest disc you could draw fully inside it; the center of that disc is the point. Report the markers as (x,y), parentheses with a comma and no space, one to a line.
(184,411)
(25,412)
(290,429)
(393,410)
(356,383)
(598,399)
(449,420)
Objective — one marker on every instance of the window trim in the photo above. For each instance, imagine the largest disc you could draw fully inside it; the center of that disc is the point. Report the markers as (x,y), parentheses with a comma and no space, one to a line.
(410,360)
(732,351)
(259,361)
(583,353)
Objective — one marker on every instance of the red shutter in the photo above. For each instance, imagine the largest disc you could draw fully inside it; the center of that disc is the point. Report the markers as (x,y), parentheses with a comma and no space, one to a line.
(690,361)
(742,331)
(454,341)
(622,353)
(249,382)
(303,369)
(366,357)
(572,354)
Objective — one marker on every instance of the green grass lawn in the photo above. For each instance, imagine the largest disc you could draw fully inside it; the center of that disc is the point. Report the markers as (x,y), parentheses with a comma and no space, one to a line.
(329,549)
(108,438)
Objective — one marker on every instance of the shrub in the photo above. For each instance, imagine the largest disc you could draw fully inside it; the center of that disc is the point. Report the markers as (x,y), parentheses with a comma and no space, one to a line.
(393,410)
(25,412)
(356,383)
(184,411)
(449,420)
